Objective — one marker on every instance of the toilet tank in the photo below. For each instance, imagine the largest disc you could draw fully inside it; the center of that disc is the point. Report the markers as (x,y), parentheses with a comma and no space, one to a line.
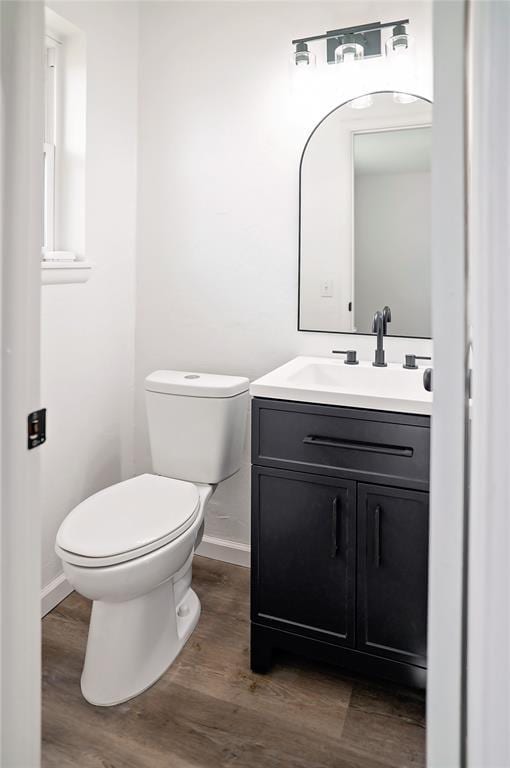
(197,424)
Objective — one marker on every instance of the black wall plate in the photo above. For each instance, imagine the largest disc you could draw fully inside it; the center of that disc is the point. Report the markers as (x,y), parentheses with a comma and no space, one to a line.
(36,428)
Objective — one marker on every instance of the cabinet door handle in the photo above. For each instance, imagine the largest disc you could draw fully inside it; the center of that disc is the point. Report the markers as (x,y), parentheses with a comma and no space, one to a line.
(358,445)
(377,536)
(334,527)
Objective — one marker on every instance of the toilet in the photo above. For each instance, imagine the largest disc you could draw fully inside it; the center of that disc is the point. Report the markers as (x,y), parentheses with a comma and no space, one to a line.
(129,548)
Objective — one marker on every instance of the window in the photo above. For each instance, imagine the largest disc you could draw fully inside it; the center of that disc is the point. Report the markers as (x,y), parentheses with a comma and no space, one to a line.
(50,146)
(63,248)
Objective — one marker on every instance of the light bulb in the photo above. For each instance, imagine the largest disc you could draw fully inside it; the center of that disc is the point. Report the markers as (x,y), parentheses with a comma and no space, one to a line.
(303,57)
(349,50)
(398,44)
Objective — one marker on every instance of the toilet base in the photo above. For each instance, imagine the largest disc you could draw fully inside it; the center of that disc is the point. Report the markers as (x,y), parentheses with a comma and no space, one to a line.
(131,644)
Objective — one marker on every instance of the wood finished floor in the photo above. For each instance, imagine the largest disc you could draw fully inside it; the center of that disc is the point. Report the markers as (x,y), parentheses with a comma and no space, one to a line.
(210,711)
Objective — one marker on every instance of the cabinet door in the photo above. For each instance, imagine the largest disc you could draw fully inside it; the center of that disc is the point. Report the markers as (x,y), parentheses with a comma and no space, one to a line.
(393,534)
(304,554)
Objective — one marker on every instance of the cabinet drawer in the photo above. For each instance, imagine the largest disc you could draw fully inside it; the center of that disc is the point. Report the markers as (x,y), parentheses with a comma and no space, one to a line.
(363,445)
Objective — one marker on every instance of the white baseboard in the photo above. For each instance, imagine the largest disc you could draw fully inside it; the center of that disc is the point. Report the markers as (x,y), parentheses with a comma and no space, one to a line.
(228,551)
(53,593)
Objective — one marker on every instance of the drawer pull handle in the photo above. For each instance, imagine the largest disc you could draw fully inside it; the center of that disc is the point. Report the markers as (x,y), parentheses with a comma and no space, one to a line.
(377,536)
(357,445)
(334,528)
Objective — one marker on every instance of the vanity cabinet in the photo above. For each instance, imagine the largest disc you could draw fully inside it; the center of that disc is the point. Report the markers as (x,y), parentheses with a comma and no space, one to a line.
(340,537)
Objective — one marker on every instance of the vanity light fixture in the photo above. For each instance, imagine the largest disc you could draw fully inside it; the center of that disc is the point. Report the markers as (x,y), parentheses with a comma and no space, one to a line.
(354,43)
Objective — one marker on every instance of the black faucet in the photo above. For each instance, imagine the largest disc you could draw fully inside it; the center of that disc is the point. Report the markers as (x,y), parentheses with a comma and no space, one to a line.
(378,325)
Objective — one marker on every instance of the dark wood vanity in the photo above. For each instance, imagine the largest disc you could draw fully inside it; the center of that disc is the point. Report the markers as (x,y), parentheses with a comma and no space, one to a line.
(340,537)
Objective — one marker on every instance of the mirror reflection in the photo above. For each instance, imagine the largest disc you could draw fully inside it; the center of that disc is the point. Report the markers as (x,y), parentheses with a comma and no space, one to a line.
(365,218)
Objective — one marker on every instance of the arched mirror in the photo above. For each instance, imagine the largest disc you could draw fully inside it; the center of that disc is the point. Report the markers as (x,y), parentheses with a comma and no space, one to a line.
(364,223)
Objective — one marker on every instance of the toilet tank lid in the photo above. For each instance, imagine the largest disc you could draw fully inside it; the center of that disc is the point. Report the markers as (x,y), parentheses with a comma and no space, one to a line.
(195,384)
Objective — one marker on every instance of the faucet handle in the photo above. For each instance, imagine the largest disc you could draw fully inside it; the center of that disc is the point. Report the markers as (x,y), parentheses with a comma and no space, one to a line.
(350,355)
(410,362)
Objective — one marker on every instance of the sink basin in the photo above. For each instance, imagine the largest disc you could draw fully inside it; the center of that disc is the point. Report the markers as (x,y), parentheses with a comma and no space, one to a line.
(330,381)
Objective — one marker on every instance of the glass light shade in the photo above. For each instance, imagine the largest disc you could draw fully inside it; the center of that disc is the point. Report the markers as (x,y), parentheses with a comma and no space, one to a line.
(404,98)
(362,102)
(348,52)
(396,45)
(303,57)
(399,43)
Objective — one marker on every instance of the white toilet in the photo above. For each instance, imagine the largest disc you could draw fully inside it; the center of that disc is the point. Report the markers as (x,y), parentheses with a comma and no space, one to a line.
(129,548)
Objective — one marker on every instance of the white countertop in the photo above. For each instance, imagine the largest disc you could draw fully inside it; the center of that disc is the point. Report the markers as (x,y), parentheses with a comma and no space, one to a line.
(331,382)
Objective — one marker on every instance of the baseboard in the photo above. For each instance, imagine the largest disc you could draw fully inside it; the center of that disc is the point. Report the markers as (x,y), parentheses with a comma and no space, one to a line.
(228,551)
(53,593)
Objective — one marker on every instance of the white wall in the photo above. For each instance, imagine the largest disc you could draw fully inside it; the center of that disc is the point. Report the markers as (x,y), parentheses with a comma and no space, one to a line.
(326,251)
(88,330)
(222,126)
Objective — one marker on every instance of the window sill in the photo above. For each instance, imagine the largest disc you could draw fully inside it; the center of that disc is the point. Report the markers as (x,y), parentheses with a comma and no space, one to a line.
(61,273)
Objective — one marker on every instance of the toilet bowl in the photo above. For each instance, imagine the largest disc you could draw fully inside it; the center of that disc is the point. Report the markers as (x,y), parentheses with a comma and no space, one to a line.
(129,548)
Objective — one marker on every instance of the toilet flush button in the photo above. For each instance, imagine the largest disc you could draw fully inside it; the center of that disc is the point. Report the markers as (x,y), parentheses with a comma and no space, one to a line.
(183,610)
(192,376)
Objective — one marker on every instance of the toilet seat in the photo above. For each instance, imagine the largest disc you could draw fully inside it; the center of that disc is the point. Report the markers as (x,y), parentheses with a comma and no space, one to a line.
(127,520)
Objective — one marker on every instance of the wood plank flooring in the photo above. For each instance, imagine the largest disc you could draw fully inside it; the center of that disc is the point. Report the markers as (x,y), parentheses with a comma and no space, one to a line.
(210,711)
